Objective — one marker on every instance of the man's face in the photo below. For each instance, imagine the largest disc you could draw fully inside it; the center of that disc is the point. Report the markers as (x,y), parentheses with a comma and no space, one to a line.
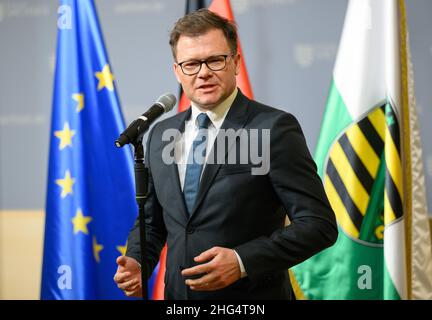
(207,88)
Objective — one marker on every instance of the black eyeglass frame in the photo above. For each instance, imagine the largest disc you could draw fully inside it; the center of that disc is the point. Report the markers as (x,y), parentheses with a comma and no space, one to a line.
(201,62)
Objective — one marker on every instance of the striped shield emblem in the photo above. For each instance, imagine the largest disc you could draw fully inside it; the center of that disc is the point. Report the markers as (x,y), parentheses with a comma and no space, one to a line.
(363,179)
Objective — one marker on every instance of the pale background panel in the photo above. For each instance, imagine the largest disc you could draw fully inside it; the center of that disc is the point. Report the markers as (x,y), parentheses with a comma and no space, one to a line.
(21,246)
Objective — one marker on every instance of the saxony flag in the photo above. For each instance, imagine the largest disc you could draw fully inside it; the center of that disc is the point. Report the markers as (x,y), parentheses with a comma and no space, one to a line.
(369,158)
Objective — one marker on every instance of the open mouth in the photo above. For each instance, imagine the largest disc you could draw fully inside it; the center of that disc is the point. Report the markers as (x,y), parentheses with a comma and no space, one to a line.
(207,87)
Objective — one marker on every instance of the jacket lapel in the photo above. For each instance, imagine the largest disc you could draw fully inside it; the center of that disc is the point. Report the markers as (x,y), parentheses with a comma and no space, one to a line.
(235,119)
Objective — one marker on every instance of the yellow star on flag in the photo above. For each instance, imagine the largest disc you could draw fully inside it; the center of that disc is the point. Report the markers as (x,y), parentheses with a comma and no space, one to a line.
(105,78)
(80,222)
(65,136)
(79,97)
(96,249)
(122,249)
(66,184)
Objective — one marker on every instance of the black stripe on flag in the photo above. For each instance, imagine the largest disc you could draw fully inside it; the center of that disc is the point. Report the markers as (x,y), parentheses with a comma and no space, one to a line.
(359,168)
(351,208)
(372,136)
(393,195)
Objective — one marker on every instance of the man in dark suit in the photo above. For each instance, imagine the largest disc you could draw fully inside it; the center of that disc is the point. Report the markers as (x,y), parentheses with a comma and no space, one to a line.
(223,217)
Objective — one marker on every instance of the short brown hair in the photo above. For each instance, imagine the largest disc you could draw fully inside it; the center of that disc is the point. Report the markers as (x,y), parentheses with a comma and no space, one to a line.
(200,22)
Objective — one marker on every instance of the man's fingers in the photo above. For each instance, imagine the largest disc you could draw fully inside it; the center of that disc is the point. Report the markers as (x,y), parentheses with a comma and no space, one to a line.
(137,293)
(135,287)
(207,287)
(121,261)
(207,255)
(206,284)
(128,285)
(122,277)
(127,280)
(200,282)
(202,268)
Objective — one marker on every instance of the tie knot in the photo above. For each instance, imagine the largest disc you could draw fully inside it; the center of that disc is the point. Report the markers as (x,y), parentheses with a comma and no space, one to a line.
(203,121)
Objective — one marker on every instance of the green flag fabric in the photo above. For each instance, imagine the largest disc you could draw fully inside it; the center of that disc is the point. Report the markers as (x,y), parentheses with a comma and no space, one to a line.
(366,160)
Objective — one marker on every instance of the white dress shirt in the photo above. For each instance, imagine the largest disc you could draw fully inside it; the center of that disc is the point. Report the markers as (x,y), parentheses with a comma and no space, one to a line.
(183,145)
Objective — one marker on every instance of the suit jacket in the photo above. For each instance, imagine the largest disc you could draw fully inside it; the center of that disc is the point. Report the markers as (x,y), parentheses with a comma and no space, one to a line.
(236,209)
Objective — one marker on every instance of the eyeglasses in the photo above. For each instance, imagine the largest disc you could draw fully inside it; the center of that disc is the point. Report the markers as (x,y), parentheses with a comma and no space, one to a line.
(214,63)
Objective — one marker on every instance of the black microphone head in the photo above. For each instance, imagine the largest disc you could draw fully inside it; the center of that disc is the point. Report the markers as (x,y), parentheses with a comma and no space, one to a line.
(167,101)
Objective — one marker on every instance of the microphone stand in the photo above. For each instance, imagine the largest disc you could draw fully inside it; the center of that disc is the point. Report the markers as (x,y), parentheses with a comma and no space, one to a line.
(133,134)
(141,190)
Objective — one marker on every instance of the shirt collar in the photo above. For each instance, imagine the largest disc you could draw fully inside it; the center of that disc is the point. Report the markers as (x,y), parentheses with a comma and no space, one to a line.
(217,114)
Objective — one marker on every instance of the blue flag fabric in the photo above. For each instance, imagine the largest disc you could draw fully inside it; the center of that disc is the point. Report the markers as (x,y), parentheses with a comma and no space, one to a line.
(90,204)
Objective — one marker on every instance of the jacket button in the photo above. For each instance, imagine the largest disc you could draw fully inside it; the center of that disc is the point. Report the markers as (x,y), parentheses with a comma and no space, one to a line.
(190,230)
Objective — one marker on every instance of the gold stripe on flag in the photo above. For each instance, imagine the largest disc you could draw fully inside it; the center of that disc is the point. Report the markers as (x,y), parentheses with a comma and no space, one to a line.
(342,215)
(377,118)
(353,185)
(363,149)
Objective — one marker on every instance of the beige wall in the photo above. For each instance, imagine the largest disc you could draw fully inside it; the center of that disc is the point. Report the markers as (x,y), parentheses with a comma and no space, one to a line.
(21,248)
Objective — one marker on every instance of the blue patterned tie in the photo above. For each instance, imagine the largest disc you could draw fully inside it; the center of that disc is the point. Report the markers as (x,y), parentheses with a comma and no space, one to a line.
(195,163)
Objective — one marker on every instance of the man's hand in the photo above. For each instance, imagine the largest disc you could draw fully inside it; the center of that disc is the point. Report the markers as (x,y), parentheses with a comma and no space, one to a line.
(220,271)
(128,276)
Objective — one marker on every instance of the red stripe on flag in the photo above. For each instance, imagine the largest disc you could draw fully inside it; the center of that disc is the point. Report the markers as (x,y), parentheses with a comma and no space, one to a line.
(184,103)
(223,8)
(159,286)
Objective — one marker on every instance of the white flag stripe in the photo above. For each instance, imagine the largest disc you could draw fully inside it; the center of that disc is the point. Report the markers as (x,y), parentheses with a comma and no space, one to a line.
(359,68)
(368,73)
(395,256)
(392,48)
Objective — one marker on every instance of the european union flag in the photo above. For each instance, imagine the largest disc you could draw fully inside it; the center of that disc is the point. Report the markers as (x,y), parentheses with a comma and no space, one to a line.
(90,205)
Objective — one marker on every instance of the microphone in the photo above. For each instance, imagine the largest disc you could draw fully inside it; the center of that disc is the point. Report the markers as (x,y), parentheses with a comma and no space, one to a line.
(139,126)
